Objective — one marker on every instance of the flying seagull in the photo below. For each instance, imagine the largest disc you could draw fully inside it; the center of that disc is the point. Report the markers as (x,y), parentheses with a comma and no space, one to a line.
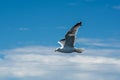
(67,44)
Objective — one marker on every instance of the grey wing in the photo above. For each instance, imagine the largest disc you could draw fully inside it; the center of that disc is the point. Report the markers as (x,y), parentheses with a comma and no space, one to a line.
(70,36)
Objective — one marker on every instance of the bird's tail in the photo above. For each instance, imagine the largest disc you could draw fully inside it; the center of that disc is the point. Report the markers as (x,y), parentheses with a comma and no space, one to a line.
(79,50)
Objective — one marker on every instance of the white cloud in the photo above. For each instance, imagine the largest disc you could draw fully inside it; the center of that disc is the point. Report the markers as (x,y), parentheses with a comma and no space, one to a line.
(100,42)
(44,63)
(72,4)
(116,7)
(89,0)
(24,29)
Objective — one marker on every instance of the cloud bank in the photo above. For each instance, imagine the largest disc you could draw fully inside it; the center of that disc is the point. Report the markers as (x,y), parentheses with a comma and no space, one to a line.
(42,63)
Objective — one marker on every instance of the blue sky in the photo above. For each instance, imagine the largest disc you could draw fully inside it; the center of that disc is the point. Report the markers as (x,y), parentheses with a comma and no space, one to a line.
(29,30)
(28,22)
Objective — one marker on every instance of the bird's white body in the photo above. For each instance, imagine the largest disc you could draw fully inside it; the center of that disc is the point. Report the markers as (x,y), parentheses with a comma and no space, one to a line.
(70,50)
(66,50)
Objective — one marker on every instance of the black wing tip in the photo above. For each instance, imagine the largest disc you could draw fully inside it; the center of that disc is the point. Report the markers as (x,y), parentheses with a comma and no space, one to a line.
(80,24)
(62,40)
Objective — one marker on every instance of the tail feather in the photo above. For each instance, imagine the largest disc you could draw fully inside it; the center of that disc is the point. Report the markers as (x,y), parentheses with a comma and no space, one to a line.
(79,50)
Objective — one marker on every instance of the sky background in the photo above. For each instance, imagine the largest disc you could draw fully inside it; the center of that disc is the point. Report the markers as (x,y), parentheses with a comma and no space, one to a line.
(30,29)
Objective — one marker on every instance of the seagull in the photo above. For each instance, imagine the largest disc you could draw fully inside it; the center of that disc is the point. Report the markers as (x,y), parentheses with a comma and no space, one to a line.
(67,44)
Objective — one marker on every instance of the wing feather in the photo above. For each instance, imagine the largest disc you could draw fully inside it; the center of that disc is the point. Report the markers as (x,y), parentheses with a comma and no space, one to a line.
(70,35)
(62,42)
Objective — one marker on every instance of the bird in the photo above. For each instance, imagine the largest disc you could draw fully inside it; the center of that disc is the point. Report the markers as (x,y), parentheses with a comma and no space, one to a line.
(68,43)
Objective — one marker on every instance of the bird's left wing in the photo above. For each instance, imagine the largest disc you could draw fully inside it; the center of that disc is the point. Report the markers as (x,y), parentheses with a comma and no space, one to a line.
(62,42)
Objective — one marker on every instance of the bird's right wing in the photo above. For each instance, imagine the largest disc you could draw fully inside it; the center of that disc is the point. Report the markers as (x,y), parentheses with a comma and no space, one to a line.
(71,34)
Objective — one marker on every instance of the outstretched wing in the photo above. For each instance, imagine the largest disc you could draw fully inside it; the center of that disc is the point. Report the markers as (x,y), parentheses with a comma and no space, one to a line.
(70,36)
(62,42)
